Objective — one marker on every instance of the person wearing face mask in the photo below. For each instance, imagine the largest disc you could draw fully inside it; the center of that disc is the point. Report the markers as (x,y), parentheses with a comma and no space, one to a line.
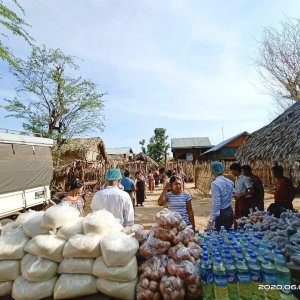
(178,200)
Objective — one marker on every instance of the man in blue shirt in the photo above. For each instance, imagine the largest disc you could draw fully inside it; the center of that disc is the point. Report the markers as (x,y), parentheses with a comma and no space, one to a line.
(222,191)
(129,185)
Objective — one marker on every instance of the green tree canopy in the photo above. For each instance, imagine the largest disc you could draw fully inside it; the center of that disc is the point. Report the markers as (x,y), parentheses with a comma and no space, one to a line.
(10,22)
(158,145)
(52,102)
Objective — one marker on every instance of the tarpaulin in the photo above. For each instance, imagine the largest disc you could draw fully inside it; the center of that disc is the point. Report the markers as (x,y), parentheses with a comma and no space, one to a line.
(24,167)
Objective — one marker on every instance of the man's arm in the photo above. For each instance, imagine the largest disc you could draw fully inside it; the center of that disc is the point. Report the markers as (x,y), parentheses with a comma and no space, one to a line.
(162,200)
(128,212)
(215,201)
(94,203)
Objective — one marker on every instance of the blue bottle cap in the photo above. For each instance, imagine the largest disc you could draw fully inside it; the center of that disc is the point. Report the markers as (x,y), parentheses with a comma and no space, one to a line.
(218,259)
(270,247)
(240,258)
(280,256)
(266,258)
(253,255)
(278,252)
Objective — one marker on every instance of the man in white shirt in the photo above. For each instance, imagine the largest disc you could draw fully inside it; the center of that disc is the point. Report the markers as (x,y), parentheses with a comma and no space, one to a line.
(114,200)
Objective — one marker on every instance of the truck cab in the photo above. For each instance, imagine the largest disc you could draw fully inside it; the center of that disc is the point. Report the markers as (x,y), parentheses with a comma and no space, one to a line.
(26,169)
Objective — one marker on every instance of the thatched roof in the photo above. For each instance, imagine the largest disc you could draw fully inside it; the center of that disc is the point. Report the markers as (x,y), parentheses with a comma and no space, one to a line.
(83,146)
(144,157)
(278,141)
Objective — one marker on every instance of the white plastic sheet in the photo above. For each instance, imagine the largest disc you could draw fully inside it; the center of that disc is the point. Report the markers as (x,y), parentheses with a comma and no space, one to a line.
(124,273)
(83,246)
(70,286)
(76,266)
(36,268)
(47,246)
(118,249)
(27,290)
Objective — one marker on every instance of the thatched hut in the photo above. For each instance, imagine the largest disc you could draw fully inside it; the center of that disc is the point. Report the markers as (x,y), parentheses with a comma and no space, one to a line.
(87,149)
(277,142)
(82,158)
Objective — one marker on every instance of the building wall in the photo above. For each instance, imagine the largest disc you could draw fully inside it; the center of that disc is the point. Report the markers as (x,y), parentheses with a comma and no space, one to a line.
(237,142)
(181,153)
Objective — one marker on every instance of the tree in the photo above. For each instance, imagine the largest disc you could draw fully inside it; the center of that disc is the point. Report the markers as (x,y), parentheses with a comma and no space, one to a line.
(158,145)
(51,102)
(278,62)
(14,24)
(142,143)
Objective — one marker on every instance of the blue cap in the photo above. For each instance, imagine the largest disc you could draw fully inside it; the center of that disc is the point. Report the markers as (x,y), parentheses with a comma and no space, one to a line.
(113,174)
(217,168)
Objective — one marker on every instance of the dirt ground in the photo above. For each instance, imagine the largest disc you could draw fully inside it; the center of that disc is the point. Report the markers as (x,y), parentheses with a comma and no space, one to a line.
(201,206)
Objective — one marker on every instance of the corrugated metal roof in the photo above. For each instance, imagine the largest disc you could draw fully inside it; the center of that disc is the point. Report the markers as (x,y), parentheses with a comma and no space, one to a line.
(119,151)
(193,142)
(10,138)
(224,143)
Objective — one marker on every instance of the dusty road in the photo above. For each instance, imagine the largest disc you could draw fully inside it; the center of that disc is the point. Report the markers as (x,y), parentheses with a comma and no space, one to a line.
(201,205)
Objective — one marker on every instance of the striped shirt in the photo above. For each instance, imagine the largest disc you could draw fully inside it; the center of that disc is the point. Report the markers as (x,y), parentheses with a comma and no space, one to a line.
(178,203)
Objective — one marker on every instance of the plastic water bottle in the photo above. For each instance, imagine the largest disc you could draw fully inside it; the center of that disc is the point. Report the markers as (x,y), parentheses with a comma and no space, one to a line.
(260,254)
(220,280)
(233,292)
(244,279)
(256,277)
(207,279)
(283,277)
(269,278)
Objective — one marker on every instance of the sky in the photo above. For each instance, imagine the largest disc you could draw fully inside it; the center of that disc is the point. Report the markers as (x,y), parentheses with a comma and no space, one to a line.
(186,66)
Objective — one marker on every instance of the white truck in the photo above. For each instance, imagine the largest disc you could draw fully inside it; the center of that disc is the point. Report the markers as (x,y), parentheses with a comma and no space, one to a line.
(26,169)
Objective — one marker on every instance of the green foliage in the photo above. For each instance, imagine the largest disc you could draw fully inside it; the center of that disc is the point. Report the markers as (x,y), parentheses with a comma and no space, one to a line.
(142,143)
(52,102)
(158,145)
(10,22)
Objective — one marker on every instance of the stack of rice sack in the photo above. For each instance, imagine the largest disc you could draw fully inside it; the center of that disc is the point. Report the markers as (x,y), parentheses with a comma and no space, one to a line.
(171,271)
(13,240)
(58,253)
(82,252)
(44,252)
(117,268)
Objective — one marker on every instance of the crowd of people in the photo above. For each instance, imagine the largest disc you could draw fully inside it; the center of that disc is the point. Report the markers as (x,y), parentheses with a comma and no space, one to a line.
(248,192)
(123,192)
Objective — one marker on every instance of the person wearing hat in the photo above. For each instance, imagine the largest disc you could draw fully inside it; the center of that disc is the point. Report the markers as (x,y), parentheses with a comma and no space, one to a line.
(222,190)
(114,200)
